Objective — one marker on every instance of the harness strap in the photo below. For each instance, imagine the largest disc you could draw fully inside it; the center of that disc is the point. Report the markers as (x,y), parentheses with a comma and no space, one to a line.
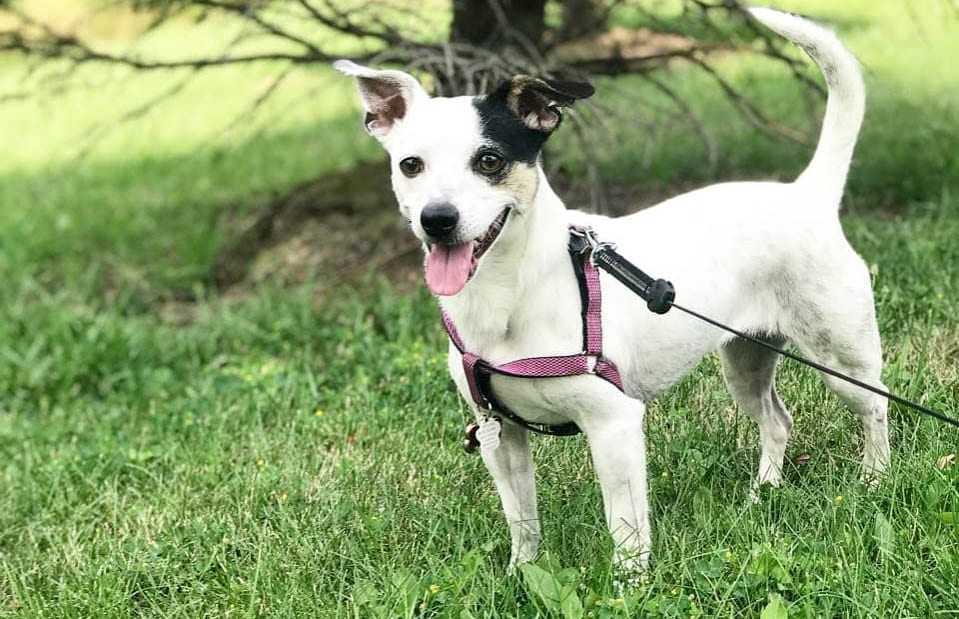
(590,361)
(594,308)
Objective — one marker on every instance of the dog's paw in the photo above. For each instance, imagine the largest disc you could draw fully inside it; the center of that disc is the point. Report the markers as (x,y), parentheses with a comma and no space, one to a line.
(873,470)
(627,582)
(760,489)
(870,479)
(516,561)
(756,493)
(630,570)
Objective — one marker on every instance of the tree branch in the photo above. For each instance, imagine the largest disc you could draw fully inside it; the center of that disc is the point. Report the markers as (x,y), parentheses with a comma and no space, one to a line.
(457,68)
(616,64)
(252,14)
(748,109)
(69,48)
(712,149)
(260,99)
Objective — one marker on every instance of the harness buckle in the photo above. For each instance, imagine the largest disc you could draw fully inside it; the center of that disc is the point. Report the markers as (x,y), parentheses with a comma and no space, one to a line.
(578,244)
(589,242)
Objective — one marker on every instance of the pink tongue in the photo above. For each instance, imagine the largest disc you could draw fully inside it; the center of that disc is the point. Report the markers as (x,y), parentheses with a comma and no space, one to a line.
(448,268)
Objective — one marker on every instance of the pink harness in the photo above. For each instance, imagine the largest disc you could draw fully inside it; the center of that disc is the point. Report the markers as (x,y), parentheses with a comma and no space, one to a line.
(589,361)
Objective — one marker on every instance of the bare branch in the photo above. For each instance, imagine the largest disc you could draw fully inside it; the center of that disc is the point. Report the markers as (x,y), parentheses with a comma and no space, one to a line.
(341,22)
(772,49)
(251,13)
(748,108)
(597,197)
(456,67)
(712,149)
(260,99)
(96,134)
(78,52)
(621,65)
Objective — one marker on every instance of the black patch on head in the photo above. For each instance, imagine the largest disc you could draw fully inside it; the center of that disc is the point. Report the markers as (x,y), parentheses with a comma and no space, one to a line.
(521,113)
(503,128)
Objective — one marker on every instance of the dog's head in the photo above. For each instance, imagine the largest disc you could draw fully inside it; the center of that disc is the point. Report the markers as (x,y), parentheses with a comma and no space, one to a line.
(461,165)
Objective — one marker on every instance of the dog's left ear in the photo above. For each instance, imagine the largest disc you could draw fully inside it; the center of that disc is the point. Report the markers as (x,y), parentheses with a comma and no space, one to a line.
(539,102)
(387,95)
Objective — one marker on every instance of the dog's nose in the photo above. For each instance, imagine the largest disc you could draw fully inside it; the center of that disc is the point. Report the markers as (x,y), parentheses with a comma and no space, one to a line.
(439,219)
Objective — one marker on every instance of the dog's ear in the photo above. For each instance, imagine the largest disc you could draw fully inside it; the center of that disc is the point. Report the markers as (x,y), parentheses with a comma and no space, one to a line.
(539,102)
(386,95)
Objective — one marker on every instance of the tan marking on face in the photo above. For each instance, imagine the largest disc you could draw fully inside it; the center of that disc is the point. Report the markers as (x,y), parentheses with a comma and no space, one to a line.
(521,182)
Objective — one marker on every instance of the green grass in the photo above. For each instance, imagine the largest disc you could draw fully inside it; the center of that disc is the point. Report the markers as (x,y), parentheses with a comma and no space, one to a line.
(286,460)
(278,456)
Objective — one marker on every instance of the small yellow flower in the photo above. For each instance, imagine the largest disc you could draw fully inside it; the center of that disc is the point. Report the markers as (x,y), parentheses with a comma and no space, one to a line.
(260,463)
(665,474)
(674,591)
(283,498)
(728,555)
(838,499)
(434,589)
(318,412)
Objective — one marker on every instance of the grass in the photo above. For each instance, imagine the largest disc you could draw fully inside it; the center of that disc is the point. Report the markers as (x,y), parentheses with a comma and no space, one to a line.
(278,457)
(281,460)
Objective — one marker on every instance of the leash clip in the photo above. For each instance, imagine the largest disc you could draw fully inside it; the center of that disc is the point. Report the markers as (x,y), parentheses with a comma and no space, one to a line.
(591,242)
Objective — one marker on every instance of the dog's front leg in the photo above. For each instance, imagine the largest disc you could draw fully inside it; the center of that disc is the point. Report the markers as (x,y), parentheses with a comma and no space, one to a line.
(511,466)
(614,429)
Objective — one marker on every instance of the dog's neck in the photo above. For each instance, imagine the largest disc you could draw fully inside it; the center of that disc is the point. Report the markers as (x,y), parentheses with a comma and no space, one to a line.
(484,309)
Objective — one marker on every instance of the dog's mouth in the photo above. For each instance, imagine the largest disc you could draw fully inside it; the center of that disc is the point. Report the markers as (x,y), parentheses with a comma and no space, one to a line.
(449,267)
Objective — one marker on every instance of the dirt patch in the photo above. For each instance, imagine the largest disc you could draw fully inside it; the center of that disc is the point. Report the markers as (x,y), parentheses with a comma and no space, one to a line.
(332,229)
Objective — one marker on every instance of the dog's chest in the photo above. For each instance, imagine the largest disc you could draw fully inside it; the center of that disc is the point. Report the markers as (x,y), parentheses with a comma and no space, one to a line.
(548,325)
(538,400)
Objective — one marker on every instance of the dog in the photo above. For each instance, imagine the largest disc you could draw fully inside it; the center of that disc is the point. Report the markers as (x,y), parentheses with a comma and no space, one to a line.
(768,258)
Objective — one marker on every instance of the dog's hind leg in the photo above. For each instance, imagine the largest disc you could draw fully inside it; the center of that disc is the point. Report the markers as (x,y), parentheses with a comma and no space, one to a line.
(871,409)
(750,373)
(851,345)
(511,466)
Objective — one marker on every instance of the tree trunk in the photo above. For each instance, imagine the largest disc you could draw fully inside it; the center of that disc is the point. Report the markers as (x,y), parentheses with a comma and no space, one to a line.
(475,22)
(581,18)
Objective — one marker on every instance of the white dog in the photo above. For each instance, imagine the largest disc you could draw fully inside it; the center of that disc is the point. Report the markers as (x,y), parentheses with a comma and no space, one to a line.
(767,258)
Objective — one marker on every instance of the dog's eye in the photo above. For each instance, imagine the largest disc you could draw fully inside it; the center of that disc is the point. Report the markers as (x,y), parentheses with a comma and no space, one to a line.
(489,163)
(411,166)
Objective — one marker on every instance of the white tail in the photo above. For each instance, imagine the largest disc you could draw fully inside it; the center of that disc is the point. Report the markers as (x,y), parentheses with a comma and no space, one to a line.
(826,173)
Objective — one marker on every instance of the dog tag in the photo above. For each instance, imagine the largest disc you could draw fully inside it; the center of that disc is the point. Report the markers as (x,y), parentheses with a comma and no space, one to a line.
(488,434)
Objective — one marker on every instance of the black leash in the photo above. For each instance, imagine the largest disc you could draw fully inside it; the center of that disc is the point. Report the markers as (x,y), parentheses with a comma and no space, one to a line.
(659,295)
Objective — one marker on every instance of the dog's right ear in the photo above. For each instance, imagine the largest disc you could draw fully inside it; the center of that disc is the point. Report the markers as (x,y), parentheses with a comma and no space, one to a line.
(539,103)
(386,95)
